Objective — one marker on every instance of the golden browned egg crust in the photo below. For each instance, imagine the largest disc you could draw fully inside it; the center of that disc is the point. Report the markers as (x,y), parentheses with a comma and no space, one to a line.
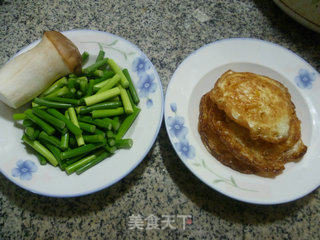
(212,141)
(234,146)
(255,102)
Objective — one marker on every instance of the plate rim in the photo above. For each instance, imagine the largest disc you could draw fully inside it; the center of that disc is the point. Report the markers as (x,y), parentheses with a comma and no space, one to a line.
(297,16)
(143,155)
(166,106)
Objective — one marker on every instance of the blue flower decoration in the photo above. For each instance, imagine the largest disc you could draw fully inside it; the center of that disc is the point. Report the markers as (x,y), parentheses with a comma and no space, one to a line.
(146,85)
(140,65)
(24,169)
(176,127)
(185,149)
(173,107)
(149,103)
(305,79)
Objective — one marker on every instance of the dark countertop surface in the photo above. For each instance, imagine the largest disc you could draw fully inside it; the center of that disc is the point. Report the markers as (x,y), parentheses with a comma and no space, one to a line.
(167,32)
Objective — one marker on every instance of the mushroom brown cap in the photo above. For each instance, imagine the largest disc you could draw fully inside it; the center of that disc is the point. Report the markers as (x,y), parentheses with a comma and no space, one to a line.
(67,50)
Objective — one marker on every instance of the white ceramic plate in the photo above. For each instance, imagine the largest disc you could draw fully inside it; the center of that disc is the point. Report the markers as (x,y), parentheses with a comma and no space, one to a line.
(197,74)
(306,12)
(23,168)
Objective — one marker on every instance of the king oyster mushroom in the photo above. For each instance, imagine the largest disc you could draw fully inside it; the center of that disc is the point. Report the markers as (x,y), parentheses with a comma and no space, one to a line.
(27,75)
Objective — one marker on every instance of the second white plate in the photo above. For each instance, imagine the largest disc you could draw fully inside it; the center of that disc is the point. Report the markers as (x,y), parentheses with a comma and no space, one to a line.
(197,74)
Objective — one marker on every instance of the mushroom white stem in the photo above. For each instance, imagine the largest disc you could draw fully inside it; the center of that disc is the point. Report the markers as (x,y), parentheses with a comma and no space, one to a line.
(30,73)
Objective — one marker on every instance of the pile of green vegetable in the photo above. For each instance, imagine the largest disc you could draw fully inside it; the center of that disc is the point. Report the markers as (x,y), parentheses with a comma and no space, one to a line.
(81,120)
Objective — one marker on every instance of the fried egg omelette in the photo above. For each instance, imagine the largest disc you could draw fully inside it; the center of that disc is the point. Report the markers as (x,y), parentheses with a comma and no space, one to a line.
(237,146)
(255,102)
(211,139)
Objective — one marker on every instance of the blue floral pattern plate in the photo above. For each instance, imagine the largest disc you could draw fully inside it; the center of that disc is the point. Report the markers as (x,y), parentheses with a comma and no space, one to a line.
(197,74)
(21,166)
